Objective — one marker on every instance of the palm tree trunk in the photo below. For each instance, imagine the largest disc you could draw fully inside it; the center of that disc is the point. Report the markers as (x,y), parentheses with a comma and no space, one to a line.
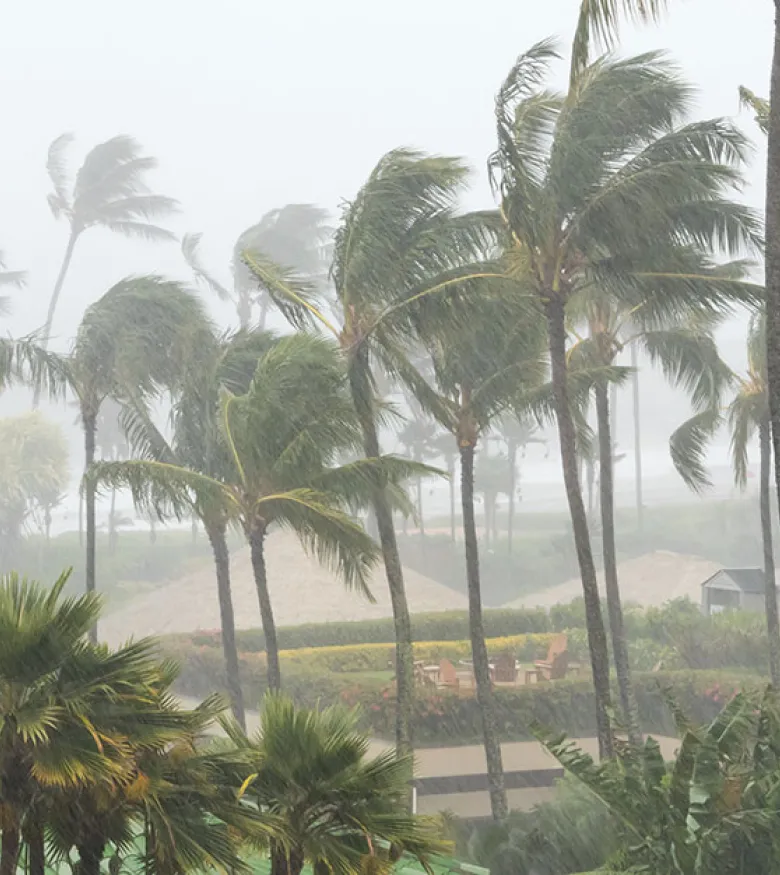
(112,523)
(479,655)
(363,399)
(772,251)
(89,420)
(510,522)
(286,861)
(35,843)
(257,548)
(637,440)
(216,536)
(614,607)
(451,474)
(597,637)
(91,856)
(81,519)
(770,588)
(55,295)
(9,844)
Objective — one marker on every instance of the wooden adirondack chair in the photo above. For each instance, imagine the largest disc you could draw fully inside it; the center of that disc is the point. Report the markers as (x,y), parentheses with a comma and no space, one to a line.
(447,675)
(505,671)
(555,666)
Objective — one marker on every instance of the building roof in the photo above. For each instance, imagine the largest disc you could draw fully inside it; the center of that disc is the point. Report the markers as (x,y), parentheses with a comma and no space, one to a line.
(743,579)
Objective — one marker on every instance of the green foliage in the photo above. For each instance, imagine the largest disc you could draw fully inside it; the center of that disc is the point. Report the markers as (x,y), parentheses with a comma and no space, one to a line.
(568,834)
(713,811)
(309,769)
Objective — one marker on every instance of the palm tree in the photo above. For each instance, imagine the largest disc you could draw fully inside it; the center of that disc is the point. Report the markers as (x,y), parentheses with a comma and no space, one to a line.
(296,235)
(688,357)
(571,181)
(415,437)
(110,192)
(172,784)
(486,361)
(225,363)
(336,808)
(749,413)
(134,341)
(601,20)
(442,446)
(400,250)
(297,403)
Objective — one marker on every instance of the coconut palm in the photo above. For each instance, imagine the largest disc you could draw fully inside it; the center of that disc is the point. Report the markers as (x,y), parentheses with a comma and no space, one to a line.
(134,341)
(109,191)
(338,809)
(688,357)
(416,436)
(400,251)
(297,403)
(600,20)
(222,363)
(571,180)
(481,370)
(748,413)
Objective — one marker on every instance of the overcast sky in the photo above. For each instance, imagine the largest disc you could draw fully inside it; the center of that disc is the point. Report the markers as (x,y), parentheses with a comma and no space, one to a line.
(250,105)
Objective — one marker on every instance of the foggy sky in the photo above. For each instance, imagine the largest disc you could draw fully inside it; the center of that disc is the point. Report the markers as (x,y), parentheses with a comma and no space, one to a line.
(249,105)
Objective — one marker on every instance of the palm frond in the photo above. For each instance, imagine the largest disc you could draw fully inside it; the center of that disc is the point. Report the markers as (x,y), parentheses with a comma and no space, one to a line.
(759,105)
(139,230)
(190,244)
(338,541)
(688,448)
(598,23)
(57,168)
(748,409)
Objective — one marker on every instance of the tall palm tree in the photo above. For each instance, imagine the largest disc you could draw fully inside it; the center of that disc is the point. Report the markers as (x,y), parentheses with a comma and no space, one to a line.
(400,250)
(486,360)
(109,191)
(571,181)
(601,19)
(749,413)
(136,340)
(297,403)
(688,357)
(337,808)
(225,363)
(415,436)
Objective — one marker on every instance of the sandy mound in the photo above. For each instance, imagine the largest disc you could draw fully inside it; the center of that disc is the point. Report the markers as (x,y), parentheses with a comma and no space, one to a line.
(651,579)
(301,592)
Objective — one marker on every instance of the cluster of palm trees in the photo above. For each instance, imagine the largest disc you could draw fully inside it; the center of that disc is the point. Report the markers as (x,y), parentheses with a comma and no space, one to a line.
(614,217)
(97,760)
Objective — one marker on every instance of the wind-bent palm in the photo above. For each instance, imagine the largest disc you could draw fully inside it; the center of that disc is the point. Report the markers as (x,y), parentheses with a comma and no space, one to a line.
(400,250)
(337,808)
(282,437)
(689,358)
(573,180)
(109,192)
(134,341)
(221,363)
(485,362)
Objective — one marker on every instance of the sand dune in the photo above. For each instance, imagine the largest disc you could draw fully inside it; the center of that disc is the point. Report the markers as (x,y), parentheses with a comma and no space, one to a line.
(651,579)
(301,592)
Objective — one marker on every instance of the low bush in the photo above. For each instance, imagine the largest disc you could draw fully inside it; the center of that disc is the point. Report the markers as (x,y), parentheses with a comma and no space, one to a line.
(568,706)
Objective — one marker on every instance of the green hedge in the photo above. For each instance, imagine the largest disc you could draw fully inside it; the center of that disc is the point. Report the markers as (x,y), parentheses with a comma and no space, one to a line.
(564,705)
(445,626)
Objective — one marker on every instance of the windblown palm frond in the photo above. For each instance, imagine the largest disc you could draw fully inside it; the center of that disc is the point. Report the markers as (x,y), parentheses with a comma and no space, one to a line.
(189,249)
(758,105)
(688,447)
(599,23)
